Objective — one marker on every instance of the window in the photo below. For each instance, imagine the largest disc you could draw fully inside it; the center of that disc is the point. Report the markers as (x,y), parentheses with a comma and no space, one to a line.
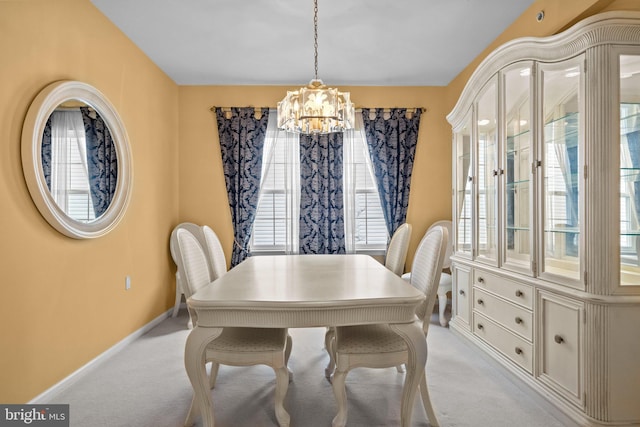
(69,177)
(275,227)
(370,230)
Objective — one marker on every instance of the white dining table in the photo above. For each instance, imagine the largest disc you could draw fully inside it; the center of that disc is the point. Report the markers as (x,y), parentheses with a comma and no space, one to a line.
(299,291)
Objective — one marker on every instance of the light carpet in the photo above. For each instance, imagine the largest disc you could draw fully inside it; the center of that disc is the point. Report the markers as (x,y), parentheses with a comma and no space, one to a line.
(146,385)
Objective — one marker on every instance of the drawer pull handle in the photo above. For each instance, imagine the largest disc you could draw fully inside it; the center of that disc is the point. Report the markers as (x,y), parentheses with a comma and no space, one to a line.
(558,339)
(461,292)
(480,301)
(480,280)
(480,326)
(518,350)
(519,293)
(518,320)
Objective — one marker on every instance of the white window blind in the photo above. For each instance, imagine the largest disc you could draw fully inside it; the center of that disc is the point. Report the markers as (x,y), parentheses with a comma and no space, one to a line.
(370,230)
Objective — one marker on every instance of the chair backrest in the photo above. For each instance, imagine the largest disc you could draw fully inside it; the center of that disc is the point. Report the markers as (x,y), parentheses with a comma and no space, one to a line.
(192,262)
(194,229)
(217,259)
(397,250)
(449,226)
(427,267)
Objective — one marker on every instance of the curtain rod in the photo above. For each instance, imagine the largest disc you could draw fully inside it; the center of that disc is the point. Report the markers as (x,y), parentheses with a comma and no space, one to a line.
(386,110)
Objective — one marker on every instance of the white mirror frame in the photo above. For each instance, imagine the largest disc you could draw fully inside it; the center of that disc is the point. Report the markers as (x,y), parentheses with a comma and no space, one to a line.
(41,108)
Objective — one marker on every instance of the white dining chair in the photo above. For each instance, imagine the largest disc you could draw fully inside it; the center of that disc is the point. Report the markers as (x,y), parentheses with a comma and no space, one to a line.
(397,250)
(215,253)
(446,281)
(378,346)
(234,346)
(395,259)
(196,230)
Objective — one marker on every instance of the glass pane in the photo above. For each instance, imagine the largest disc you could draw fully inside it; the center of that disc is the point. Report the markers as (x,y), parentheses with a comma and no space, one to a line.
(487,173)
(462,140)
(629,169)
(560,164)
(518,165)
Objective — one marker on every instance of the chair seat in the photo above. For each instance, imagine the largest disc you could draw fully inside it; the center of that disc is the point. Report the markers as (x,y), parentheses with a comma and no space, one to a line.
(250,340)
(368,339)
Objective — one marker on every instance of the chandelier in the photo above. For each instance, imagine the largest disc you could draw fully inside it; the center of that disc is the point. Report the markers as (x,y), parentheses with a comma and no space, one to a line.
(316,109)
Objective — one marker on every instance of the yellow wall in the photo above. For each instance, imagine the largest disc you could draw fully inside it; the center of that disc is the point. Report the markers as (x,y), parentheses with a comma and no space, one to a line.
(63,300)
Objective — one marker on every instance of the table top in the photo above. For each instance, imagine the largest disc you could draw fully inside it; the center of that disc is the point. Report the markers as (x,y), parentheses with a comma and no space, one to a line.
(341,289)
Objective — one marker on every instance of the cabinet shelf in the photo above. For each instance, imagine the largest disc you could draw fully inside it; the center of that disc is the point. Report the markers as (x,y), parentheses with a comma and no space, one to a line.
(568,230)
(630,174)
(522,183)
(516,228)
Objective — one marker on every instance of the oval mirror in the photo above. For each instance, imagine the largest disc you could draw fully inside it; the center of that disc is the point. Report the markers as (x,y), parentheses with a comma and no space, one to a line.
(76,159)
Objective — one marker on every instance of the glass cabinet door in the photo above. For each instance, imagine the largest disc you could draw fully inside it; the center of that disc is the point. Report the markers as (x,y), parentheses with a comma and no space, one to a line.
(487,167)
(629,169)
(463,186)
(517,166)
(561,159)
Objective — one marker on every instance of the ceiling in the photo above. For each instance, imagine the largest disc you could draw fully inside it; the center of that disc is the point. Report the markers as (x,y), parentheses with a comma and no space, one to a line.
(270,42)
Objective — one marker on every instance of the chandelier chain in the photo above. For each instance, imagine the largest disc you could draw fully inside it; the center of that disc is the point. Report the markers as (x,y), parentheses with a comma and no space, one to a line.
(315,35)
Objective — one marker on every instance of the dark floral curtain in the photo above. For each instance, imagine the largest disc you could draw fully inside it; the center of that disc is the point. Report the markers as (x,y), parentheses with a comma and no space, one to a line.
(392,137)
(321,194)
(242,136)
(46,153)
(102,162)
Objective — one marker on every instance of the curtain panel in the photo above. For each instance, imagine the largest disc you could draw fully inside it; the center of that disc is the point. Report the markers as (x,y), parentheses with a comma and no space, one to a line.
(102,162)
(46,153)
(392,136)
(242,136)
(321,194)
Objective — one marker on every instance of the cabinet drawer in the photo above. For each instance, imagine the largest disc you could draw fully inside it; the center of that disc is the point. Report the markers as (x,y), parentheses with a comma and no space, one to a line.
(559,362)
(513,317)
(511,290)
(512,346)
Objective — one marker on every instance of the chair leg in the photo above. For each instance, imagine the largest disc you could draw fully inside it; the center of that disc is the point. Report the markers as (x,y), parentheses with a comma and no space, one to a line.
(176,305)
(287,353)
(442,303)
(340,393)
(282,384)
(188,422)
(214,374)
(329,340)
(426,401)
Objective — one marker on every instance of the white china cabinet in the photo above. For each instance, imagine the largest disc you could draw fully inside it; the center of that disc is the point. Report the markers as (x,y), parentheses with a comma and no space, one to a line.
(546,209)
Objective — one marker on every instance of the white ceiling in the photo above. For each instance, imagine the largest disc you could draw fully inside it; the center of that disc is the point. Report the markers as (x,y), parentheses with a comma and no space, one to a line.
(270,42)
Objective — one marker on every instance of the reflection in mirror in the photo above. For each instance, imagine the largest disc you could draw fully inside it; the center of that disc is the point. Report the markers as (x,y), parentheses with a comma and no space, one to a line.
(79,161)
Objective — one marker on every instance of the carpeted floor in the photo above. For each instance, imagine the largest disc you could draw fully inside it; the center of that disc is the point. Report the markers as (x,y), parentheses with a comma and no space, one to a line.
(145,385)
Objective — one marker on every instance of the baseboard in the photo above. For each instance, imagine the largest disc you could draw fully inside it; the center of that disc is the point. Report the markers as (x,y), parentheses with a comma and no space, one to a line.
(48,395)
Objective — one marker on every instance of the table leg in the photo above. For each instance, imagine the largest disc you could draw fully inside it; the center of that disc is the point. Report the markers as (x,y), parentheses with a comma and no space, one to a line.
(194,363)
(417,345)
